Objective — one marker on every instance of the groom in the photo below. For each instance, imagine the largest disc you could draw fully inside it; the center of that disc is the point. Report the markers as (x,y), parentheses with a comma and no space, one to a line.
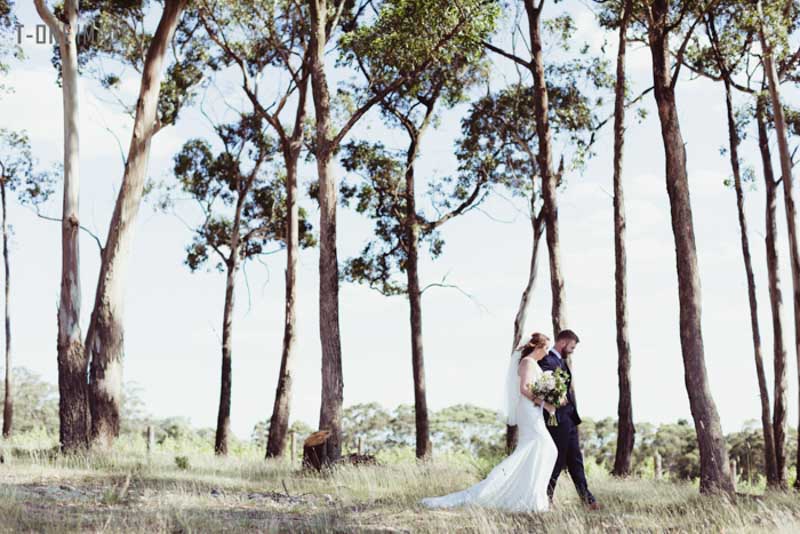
(565,435)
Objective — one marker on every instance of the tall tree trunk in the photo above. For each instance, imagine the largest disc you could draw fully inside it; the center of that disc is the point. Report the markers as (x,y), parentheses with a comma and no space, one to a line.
(8,401)
(537,223)
(73,361)
(232,263)
(104,339)
(788,185)
(226,382)
(72,358)
(626,431)
(714,469)
(545,161)
(424,447)
(779,419)
(330,415)
(766,423)
(279,423)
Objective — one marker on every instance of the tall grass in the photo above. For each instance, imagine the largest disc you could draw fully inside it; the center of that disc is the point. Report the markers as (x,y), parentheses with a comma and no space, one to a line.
(128,490)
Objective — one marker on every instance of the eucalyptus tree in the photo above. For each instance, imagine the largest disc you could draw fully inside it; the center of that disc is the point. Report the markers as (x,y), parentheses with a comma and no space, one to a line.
(779,420)
(661,20)
(734,141)
(404,38)
(262,39)
(116,31)
(243,211)
(499,135)
(500,132)
(73,360)
(774,22)
(388,195)
(617,15)
(723,55)
(732,38)
(18,175)
(557,30)
(534,63)
(500,138)
(626,431)
(7,21)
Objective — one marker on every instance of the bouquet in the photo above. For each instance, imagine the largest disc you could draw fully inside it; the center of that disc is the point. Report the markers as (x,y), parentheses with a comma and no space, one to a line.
(551,386)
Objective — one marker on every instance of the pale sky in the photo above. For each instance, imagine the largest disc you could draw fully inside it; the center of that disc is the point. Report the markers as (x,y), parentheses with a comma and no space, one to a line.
(173,317)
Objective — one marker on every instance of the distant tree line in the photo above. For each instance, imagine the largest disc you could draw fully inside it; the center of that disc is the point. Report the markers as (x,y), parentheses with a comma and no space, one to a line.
(459,429)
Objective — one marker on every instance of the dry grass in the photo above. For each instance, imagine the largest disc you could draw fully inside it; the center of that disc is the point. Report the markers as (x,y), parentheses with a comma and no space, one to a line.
(125,491)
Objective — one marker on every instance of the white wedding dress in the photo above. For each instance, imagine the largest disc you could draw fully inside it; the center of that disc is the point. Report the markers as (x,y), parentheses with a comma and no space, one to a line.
(519,482)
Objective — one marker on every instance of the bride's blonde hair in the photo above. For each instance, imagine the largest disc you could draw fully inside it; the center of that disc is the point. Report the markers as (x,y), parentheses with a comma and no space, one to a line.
(537,341)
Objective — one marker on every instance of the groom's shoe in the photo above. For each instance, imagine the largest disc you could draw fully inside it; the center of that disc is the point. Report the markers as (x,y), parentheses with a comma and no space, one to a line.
(594,506)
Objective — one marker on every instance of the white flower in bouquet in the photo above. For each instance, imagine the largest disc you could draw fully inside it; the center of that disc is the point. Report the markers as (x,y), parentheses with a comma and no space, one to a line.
(551,387)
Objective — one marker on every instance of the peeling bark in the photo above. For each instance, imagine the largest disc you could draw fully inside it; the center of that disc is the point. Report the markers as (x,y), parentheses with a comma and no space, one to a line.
(104,339)
(779,415)
(72,358)
(330,414)
(279,422)
(788,186)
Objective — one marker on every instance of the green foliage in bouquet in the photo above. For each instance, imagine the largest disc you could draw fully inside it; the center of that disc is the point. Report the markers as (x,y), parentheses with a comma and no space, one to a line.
(551,387)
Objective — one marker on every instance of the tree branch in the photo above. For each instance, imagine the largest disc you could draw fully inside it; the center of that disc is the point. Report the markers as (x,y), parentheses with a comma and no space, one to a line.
(442,284)
(790,63)
(513,57)
(463,207)
(55,25)
(380,95)
(56,219)
(682,50)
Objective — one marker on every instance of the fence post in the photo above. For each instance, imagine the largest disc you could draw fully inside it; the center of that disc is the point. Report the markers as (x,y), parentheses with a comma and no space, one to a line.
(657,463)
(151,439)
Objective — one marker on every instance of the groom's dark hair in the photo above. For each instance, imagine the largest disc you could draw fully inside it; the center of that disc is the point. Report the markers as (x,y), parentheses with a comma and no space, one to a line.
(568,334)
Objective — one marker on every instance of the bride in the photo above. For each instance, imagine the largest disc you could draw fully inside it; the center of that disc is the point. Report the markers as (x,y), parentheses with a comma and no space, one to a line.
(519,482)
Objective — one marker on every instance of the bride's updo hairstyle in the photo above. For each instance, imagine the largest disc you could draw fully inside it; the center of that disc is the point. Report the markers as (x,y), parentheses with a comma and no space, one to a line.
(537,341)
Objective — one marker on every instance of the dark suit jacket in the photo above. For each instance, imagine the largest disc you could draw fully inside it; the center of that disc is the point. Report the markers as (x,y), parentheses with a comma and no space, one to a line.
(551,362)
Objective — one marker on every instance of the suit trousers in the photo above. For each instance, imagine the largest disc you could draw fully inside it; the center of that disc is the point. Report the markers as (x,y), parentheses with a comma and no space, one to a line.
(565,436)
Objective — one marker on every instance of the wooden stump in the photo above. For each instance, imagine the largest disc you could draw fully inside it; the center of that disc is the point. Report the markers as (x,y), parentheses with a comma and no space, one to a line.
(315,450)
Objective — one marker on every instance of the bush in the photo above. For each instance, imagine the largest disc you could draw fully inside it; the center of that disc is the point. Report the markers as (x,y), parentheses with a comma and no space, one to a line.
(182,462)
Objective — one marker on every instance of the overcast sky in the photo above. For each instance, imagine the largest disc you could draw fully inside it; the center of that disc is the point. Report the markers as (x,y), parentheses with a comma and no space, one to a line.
(173,317)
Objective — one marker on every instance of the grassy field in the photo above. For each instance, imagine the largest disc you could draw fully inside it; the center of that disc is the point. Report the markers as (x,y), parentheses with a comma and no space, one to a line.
(127,491)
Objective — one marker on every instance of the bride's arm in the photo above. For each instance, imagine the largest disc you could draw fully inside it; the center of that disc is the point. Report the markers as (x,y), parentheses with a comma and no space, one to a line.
(527,375)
